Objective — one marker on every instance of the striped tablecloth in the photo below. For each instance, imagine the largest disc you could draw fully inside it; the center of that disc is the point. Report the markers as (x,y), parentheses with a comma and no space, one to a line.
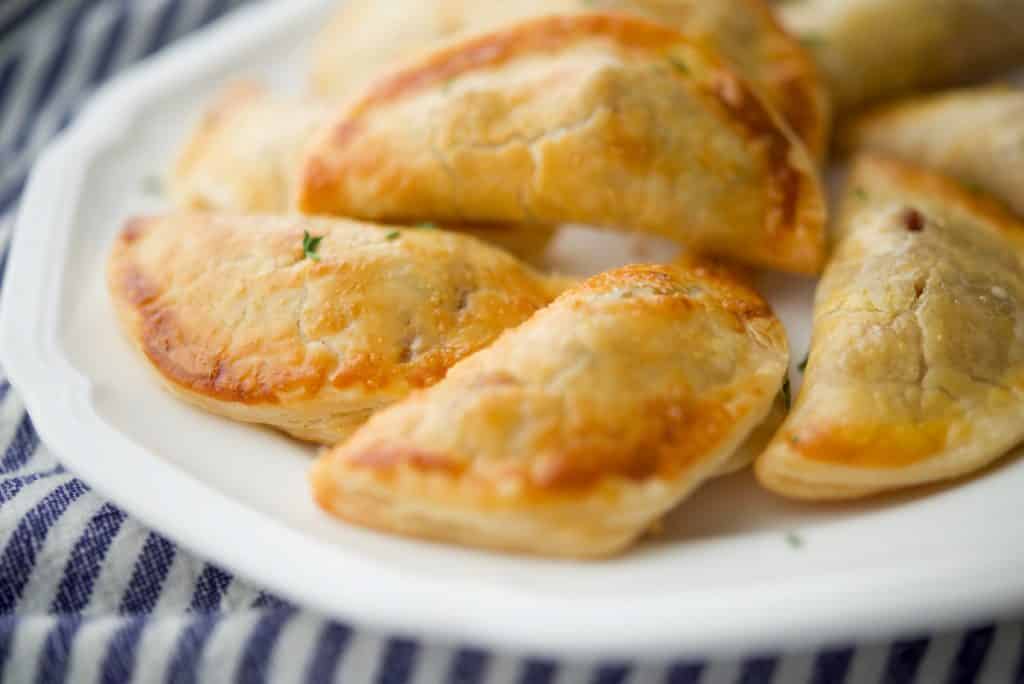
(88,594)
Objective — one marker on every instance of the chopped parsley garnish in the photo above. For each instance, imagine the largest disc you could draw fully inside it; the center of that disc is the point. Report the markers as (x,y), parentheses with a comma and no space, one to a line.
(393,235)
(679,64)
(803,364)
(310,244)
(787,393)
(811,41)
(794,540)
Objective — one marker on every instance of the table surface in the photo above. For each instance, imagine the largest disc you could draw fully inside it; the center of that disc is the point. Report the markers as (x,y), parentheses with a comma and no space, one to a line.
(88,593)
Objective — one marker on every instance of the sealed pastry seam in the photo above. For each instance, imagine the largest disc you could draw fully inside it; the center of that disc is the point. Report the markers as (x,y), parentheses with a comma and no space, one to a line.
(351,50)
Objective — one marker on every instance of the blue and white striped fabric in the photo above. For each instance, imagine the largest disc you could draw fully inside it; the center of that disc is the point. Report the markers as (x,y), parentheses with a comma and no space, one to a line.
(87,594)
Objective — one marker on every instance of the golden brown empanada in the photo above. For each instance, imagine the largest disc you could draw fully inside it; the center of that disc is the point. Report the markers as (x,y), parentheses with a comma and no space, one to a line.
(245,154)
(367,37)
(976,136)
(603,119)
(870,50)
(238,319)
(916,368)
(575,432)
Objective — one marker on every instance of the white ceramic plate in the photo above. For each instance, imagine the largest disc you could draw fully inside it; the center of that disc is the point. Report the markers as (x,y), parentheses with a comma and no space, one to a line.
(723,577)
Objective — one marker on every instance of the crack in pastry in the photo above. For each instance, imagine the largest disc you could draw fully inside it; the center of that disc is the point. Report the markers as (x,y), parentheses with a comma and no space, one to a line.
(238,320)
(575,432)
(871,50)
(974,135)
(916,367)
(608,120)
(245,154)
(350,52)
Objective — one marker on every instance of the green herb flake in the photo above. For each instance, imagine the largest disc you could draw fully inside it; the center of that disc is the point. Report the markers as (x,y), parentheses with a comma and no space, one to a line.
(787,393)
(310,244)
(679,65)
(860,193)
(794,540)
(803,364)
(447,84)
(393,235)
(812,41)
(794,440)
(151,185)
(426,225)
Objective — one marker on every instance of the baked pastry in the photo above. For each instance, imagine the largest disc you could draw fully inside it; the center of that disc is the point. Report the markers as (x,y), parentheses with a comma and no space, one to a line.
(870,50)
(309,325)
(575,432)
(246,151)
(367,38)
(603,119)
(916,367)
(974,135)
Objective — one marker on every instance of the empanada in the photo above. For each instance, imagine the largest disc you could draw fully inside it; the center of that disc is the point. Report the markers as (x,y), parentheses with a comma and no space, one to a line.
(976,136)
(247,318)
(575,432)
(602,119)
(245,154)
(916,369)
(367,37)
(870,50)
